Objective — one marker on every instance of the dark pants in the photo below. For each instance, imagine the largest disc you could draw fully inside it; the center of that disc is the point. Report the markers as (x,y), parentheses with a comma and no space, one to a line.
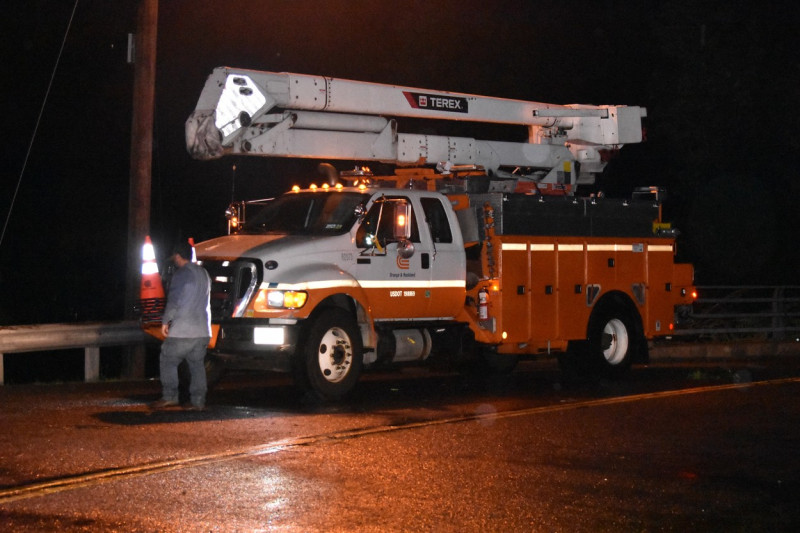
(173,351)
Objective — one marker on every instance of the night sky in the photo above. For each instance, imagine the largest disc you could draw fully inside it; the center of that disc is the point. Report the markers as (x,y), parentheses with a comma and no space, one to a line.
(720,81)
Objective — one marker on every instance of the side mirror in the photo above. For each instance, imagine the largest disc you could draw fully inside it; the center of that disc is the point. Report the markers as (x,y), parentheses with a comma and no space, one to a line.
(235,215)
(360,211)
(405,248)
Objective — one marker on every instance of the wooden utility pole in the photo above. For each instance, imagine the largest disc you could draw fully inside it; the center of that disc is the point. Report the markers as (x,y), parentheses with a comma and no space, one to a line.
(144,84)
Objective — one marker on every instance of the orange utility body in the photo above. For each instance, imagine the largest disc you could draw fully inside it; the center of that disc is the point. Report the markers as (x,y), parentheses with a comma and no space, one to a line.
(487,277)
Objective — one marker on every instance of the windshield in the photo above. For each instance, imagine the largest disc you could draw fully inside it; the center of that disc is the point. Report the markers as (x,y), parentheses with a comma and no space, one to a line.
(307,213)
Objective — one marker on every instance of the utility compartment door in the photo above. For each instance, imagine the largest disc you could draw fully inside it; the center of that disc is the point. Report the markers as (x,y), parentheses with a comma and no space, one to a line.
(544,291)
(662,290)
(573,310)
(529,301)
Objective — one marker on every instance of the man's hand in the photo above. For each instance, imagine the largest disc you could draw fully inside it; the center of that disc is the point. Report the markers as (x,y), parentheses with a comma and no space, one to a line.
(165,329)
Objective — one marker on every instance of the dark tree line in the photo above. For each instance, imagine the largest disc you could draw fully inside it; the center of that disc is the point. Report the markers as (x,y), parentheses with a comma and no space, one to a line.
(719,80)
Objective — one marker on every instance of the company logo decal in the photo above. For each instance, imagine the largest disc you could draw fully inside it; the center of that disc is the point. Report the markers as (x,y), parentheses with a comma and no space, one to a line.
(437,102)
(402,263)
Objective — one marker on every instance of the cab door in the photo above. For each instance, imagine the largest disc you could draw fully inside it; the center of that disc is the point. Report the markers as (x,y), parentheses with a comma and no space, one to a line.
(443,254)
(393,264)
(411,258)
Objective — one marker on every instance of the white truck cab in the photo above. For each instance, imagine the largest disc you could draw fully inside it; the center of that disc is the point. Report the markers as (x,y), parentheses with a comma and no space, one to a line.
(382,258)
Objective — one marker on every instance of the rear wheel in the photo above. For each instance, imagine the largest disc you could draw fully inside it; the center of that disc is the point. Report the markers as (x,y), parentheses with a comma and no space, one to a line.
(615,342)
(612,341)
(330,358)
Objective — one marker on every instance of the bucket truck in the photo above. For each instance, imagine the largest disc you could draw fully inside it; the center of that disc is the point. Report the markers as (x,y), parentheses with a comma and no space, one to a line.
(473,250)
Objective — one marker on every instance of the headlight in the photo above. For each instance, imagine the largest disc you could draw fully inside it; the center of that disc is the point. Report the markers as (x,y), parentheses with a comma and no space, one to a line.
(272,299)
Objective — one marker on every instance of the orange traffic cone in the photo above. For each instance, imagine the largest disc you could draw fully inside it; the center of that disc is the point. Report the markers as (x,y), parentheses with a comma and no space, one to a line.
(151,287)
(194,254)
(151,293)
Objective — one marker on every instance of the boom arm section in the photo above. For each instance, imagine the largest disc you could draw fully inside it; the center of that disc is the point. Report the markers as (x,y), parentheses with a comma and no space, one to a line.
(250,112)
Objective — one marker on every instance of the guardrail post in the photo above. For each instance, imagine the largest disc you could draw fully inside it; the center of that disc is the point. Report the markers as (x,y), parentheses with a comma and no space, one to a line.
(91,364)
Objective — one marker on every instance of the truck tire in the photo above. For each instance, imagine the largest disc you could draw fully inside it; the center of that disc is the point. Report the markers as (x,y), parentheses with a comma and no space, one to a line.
(330,358)
(612,341)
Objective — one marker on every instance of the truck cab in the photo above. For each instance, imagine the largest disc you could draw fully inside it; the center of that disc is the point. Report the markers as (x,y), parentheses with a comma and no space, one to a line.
(380,261)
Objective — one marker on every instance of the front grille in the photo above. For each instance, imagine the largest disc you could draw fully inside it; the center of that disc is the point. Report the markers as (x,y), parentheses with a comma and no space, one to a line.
(233,284)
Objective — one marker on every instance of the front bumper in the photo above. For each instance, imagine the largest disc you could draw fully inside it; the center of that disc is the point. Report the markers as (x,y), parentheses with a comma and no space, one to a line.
(259,344)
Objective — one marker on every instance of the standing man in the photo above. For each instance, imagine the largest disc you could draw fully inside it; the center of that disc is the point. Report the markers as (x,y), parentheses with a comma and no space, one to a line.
(186,326)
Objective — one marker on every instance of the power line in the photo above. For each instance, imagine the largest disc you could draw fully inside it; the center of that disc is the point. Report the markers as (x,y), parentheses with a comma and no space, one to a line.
(38,121)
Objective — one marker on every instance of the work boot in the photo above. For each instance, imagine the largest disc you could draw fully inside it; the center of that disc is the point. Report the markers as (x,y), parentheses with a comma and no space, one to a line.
(163,404)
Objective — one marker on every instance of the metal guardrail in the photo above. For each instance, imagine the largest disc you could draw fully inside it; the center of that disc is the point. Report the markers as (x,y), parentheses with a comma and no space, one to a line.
(89,336)
(729,313)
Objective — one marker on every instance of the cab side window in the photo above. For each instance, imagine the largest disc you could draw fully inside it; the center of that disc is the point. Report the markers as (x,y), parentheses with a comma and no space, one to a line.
(380,223)
(436,217)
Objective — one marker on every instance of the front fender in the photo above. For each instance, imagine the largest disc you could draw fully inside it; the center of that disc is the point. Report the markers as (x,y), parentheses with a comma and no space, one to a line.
(320,281)
(325,283)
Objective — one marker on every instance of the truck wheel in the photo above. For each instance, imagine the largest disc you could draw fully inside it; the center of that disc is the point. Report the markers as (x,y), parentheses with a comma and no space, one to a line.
(331,355)
(611,342)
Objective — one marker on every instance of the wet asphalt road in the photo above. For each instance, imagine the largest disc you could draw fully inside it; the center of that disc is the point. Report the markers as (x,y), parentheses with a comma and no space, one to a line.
(704,446)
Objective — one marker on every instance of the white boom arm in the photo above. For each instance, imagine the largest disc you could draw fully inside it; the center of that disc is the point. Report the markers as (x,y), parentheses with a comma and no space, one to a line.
(328,118)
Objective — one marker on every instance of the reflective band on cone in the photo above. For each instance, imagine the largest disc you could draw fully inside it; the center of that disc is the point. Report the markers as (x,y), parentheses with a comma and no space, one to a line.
(194,254)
